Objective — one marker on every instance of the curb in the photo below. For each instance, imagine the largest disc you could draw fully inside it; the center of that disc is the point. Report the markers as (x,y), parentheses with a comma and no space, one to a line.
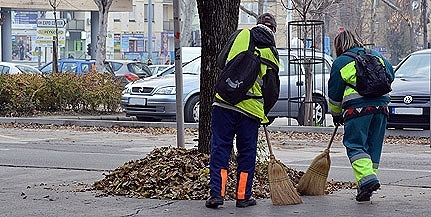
(123,121)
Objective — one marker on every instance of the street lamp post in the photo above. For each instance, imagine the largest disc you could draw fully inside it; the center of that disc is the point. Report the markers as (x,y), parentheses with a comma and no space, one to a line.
(178,76)
(150,29)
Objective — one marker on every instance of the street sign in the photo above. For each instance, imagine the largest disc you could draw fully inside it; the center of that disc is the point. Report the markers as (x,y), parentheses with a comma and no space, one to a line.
(45,35)
(50,23)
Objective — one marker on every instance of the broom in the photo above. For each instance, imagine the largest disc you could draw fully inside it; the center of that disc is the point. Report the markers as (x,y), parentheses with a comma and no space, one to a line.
(281,188)
(314,181)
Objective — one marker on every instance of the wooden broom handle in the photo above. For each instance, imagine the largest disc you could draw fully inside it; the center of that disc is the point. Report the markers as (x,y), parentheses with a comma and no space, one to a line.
(267,140)
(332,137)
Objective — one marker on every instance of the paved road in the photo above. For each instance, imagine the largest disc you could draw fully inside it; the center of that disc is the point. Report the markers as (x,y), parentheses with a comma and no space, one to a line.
(43,171)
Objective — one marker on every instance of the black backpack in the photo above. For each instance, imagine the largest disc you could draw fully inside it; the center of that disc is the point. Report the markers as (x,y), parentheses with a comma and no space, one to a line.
(371,77)
(239,75)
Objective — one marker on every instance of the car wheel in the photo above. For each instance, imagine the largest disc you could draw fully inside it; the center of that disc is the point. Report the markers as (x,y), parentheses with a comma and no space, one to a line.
(191,110)
(149,119)
(319,111)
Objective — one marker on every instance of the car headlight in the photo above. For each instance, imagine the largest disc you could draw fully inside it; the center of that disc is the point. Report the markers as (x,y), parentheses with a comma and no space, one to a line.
(166,91)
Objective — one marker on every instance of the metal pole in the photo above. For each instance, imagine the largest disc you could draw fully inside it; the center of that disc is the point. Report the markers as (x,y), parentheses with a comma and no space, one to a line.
(150,29)
(94,32)
(178,75)
(424,21)
(6,36)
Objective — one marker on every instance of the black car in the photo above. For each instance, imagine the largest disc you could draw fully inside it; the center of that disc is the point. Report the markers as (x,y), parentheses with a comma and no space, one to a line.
(410,96)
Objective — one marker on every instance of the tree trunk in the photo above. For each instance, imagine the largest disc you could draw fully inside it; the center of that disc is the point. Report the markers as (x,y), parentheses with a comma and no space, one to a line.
(218,20)
(189,15)
(308,102)
(103,6)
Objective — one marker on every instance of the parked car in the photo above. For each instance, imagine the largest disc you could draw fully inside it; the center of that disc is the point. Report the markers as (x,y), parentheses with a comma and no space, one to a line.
(410,95)
(190,53)
(157,68)
(169,70)
(17,68)
(155,99)
(79,66)
(122,67)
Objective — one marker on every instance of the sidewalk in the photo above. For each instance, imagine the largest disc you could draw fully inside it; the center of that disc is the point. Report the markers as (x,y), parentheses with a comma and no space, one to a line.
(37,191)
(61,199)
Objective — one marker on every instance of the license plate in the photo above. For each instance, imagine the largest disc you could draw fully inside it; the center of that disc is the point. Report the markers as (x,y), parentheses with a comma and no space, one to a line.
(137,101)
(407,111)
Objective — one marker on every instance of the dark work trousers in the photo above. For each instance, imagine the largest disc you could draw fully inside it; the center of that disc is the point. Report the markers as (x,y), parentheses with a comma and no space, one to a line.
(226,124)
(363,139)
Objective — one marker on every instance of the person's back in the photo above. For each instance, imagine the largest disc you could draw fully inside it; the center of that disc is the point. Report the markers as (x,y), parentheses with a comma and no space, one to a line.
(242,120)
(263,39)
(364,118)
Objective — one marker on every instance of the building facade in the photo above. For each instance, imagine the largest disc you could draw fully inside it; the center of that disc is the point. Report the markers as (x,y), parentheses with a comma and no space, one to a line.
(128,32)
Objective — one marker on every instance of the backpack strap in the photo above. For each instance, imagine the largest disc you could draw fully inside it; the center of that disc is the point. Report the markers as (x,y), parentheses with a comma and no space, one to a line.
(269,63)
(352,55)
(221,59)
(251,46)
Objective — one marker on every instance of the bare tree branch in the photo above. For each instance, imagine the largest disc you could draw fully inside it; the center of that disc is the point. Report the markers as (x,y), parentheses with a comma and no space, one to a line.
(314,8)
(251,13)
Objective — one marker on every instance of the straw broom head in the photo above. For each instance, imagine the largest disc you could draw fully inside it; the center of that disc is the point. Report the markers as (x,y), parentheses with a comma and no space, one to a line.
(281,188)
(314,181)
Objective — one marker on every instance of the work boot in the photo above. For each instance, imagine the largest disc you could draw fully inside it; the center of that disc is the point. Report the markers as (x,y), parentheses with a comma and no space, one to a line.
(214,202)
(245,203)
(365,192)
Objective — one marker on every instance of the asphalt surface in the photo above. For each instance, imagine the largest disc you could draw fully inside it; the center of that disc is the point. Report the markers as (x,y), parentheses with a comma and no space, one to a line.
(52,180)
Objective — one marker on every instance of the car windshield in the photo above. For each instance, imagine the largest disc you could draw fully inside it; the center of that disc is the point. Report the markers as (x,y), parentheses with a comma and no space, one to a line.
(140,68)
(170,70)
(193,67)
(47,69)
(415,66)
(116,66)
(107,68)
(27,70)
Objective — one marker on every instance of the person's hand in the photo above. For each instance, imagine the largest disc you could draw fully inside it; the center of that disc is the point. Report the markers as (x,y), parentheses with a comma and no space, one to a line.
(338,119)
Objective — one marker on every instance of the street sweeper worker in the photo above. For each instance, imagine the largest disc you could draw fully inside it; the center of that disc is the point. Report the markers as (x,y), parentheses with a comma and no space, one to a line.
(244,118)
(364,118)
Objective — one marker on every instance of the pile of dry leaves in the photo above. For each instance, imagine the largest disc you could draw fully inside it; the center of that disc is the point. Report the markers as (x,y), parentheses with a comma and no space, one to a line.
(183,174)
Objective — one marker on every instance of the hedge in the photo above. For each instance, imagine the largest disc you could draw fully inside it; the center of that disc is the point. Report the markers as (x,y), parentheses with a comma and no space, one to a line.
(24,95)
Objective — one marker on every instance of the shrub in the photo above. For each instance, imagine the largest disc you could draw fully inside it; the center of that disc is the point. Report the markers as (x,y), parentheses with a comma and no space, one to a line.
(23,95)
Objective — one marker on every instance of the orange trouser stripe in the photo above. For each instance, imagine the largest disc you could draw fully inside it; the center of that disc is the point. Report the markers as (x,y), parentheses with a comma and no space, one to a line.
(242,185)
(223,173)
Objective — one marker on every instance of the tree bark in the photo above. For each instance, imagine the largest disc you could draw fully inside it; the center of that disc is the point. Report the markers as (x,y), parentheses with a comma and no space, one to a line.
(189,15)
(218,20)
(103,6)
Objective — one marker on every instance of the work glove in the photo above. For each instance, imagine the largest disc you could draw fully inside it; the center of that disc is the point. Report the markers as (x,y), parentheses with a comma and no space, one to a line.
(338,120)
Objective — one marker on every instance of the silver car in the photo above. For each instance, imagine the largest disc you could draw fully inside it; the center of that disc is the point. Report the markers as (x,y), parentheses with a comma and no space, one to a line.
(291,101)
(155,99)
(122,67)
